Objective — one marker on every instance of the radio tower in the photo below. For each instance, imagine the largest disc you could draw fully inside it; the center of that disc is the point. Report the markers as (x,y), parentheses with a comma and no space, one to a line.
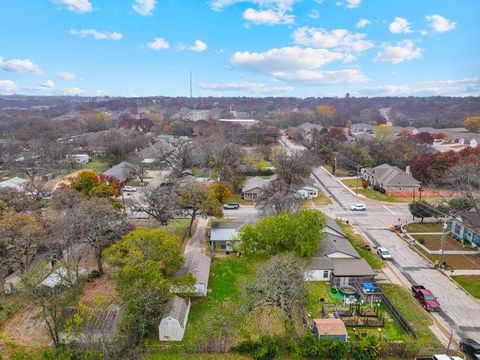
(191,83)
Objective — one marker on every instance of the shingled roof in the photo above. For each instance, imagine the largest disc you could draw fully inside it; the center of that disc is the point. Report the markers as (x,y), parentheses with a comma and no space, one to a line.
(178,309)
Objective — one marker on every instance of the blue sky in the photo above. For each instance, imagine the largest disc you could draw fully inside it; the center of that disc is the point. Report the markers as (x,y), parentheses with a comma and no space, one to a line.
(240,47)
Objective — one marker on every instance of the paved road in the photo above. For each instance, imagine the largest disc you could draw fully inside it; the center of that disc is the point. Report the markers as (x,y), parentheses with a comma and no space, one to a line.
(460,311)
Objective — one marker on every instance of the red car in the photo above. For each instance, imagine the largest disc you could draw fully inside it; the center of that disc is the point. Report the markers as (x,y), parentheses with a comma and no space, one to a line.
(425,297)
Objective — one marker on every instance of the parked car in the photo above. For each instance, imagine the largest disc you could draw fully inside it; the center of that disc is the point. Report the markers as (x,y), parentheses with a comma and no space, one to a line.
(352,173)
(129,189)
(439,357)
(231,206)
(384,253)
(358,207)
(425,297)
(471,348)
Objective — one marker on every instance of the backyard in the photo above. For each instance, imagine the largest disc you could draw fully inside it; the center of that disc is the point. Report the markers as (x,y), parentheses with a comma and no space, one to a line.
(471,283)
(391,330)
(96,164)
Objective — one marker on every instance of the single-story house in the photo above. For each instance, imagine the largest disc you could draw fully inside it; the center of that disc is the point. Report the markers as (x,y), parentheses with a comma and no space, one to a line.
(391,180)
(337,260)
(120,173)
(174,322)
(308,192)
(242,122)
(253,187)
(466,227)
(79,158)
(332,328)
(223,234)
(14,183)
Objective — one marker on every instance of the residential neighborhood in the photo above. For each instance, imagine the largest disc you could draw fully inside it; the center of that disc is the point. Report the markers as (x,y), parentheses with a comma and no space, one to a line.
(239,179)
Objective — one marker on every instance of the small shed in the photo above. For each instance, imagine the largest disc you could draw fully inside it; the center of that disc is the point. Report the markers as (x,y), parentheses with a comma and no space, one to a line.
(332,328)
(173,324)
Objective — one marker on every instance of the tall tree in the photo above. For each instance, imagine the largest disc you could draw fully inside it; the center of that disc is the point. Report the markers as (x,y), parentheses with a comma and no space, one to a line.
(278,283)
(293,169)
(197,200)
(278,198)
(221,191)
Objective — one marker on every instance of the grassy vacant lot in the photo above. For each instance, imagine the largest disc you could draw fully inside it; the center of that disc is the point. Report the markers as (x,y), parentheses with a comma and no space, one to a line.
(424,228)
(224,303)
(9,306)
(97,165)
(179,227)
(372,194)
(359,244)
(322,199)
(434,242)
(411,310)
(340,171)
(237,198)
(471,283)
(457,262)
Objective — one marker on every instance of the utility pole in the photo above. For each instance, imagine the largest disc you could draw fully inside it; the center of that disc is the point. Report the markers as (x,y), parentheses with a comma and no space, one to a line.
(442,248)
(334,164)
(356,183)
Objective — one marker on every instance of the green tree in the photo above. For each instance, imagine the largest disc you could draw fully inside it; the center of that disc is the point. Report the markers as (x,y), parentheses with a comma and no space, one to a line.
(299,232)
(422,209)
(145,262)
(383,133)
(197,200)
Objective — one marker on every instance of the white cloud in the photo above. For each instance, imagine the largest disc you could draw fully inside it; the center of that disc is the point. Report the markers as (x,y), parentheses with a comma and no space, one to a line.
(350,4)
(314,14)
(337,39)
(20,66)
(400,26)
(363,23)
(439,23)
(144,7)
(268,17)
(295,64)
(78,6)
(253,87)
(158,43)
(452,87)
(198,46)
(8,86)
(424,32)
(74,91)
(48,85)
(67,76)
(269,12)
(97,35)
(399,52)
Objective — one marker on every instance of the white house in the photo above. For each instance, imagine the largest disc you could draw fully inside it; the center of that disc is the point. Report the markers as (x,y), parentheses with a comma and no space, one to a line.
(308,192)
(223,235)
(173,324)
(79,158)
(15,183)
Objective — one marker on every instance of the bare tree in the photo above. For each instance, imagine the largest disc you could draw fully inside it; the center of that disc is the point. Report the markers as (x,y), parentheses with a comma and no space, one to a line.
(279,283)
(162,203)
(465,177)
(277,198)
(178,158)
(293,169)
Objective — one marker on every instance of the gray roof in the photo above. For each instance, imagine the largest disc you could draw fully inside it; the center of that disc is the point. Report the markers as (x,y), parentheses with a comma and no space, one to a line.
(310,127)
(320,263)
(223,234)
(332,224)
(197,263)
(178,309)
(257,182)
(392,176)
(352,267)
(120,171)
(332,244)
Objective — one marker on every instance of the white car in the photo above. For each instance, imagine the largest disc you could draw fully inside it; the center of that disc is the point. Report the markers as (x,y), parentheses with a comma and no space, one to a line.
(384,253)
(358,207)
(129,189)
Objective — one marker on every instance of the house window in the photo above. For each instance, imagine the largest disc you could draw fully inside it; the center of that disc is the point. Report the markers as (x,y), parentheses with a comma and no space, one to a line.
(325,274)
(457,229)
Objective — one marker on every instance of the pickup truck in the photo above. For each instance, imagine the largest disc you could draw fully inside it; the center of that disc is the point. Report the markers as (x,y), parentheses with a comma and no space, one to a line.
(425,297)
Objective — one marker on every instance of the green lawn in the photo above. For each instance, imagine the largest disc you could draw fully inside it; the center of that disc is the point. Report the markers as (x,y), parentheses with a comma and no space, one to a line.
(237,198)
(471,283)
(424,228)
(372,194)
(178,227)
(180,356)
(414,313)
(97,165)
(322,199)
(359,244)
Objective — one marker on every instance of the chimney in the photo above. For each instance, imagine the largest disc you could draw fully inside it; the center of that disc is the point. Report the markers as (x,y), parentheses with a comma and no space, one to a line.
(407,169)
